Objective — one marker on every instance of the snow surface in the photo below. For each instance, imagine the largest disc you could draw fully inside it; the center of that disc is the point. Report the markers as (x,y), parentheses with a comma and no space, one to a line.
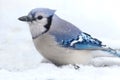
(19,59)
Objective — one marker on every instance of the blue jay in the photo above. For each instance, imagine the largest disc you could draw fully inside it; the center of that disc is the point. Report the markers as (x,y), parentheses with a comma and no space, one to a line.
(61,42)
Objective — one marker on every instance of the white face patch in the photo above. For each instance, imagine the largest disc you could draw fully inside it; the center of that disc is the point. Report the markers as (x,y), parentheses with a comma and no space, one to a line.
(37,26)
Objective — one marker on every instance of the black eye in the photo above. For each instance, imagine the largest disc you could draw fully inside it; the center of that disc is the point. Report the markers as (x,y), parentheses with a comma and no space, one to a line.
(39,17)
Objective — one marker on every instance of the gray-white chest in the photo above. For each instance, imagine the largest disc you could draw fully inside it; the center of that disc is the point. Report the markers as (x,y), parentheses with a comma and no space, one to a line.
(57,54)
(47,44)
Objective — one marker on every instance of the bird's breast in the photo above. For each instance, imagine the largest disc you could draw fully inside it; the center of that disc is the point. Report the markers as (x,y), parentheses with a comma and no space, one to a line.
(52,51)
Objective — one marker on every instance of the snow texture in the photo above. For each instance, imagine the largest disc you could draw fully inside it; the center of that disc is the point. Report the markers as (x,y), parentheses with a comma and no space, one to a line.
(19,60)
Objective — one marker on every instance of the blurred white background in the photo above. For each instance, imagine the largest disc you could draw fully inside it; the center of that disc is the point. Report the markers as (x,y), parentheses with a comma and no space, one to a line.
(100,18)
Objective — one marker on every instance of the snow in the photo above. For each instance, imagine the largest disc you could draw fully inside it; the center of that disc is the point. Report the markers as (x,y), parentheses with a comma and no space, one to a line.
(63,73)
(19,59)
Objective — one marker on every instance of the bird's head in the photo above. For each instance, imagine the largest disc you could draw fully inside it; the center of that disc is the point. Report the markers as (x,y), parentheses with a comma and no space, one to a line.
(39,20)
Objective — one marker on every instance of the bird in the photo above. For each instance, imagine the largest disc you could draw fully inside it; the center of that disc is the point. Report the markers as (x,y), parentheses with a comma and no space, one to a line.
(61,42)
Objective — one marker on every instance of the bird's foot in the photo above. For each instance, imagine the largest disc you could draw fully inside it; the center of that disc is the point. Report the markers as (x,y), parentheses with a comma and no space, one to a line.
(76,66)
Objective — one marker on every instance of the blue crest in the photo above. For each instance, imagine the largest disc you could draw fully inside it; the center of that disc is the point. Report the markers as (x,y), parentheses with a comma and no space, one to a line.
(46,11)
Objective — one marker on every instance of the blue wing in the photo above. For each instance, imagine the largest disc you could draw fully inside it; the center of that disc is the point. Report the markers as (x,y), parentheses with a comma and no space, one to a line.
(69,36)
(82,41)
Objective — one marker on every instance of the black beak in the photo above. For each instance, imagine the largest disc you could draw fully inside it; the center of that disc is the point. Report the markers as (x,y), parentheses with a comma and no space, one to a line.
(24,18)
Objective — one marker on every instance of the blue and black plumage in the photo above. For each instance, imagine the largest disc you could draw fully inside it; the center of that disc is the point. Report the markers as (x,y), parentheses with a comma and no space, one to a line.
(85,41)
(62,42)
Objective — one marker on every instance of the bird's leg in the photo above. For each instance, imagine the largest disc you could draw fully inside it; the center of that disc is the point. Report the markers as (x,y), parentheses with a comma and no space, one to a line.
(76,66)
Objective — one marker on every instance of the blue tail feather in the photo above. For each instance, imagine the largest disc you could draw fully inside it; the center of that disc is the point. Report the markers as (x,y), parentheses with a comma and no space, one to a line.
(112,51)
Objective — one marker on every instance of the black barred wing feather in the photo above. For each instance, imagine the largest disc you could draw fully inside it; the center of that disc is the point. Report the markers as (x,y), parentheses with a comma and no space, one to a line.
(83,41)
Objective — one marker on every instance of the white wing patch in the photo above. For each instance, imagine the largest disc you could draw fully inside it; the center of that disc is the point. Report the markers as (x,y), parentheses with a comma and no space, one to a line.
(75,41)
(87,38)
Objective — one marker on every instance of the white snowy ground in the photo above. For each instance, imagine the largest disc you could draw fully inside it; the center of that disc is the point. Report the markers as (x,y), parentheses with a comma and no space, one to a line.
(19,60)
